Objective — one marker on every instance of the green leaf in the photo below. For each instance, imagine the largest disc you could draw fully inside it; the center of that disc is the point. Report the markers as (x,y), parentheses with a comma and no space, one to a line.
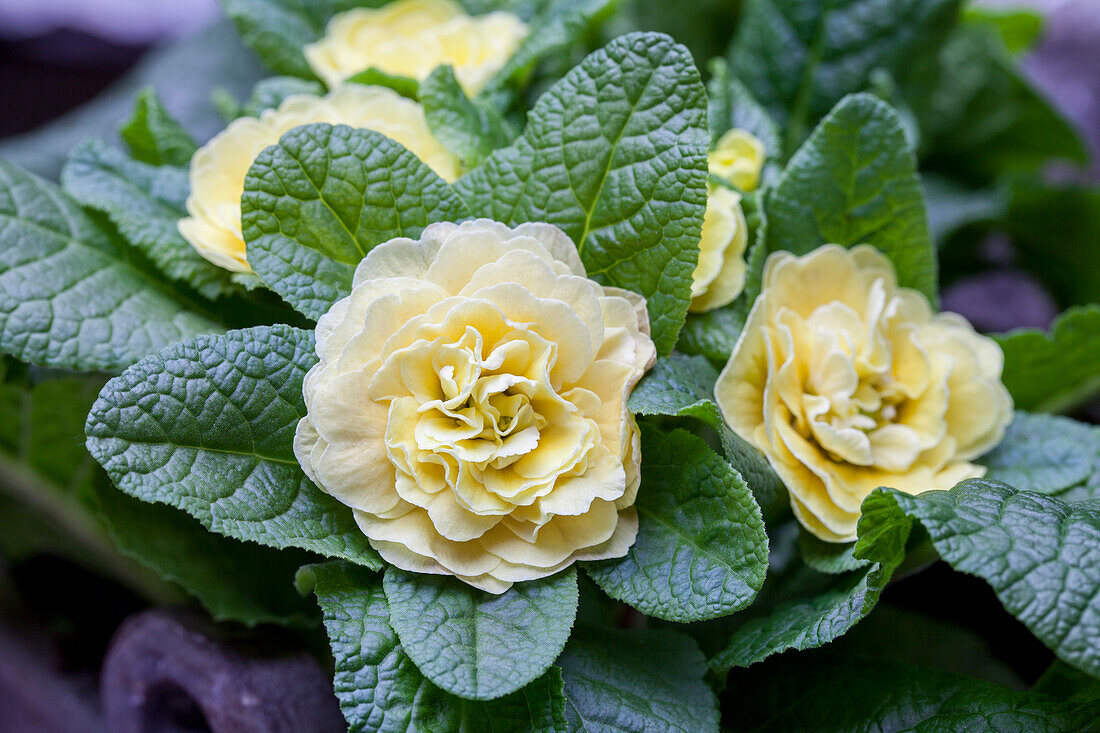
(854,181)
(270,93)
(1041,555)
(469,129)
(145,202)
(207,426)
(1019,28)
(828,557)
(1048,454)
(234,581)
(891,696)
(981,118)
(615,155)
(802,609)
(617,680)
(1070,268)
(403,85)
(731,105)
(478,645)
(712,334)
(683,386)
(153,135)
(381,690)
(701,550)
(324,196)
(799,57)
(1055,371)
(71,295)
(278,29)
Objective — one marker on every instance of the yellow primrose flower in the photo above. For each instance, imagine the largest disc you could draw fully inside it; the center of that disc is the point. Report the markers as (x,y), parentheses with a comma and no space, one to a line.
(412,37)
(219,168)
(720,274)
(469,404)
(738,157)
(847,382)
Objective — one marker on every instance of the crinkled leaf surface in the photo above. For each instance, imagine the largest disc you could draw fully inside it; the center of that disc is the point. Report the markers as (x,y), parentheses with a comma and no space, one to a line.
(324,196)
(146,203)
(796,694)
(854,181)
(701,550)
(1040,554)
(207,426)
(234,581)
(479,645)
(1049,454)
(1055,371)
(71,294)
(471,129)
(799,57)
(652,681)
(381,690)
(615,155)
(683,386)
(153,135)
(802,609)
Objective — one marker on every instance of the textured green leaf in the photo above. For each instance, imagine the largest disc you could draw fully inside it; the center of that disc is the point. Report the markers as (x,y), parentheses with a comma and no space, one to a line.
(153,135)
(981,118)
(683,386)
(803,609)
(854,181)
(713,334)
(799,57)
(615,155)
(270,93)
(317,202)
(636,681)
(1041,555)
(381,690)
(1055,371)
(701,550)
(145,202)
(207,426)
(471,129)
(234,581)
(278,29)
(73,296)
(732,105)
(475,644)
(795,694)
(1048,454)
